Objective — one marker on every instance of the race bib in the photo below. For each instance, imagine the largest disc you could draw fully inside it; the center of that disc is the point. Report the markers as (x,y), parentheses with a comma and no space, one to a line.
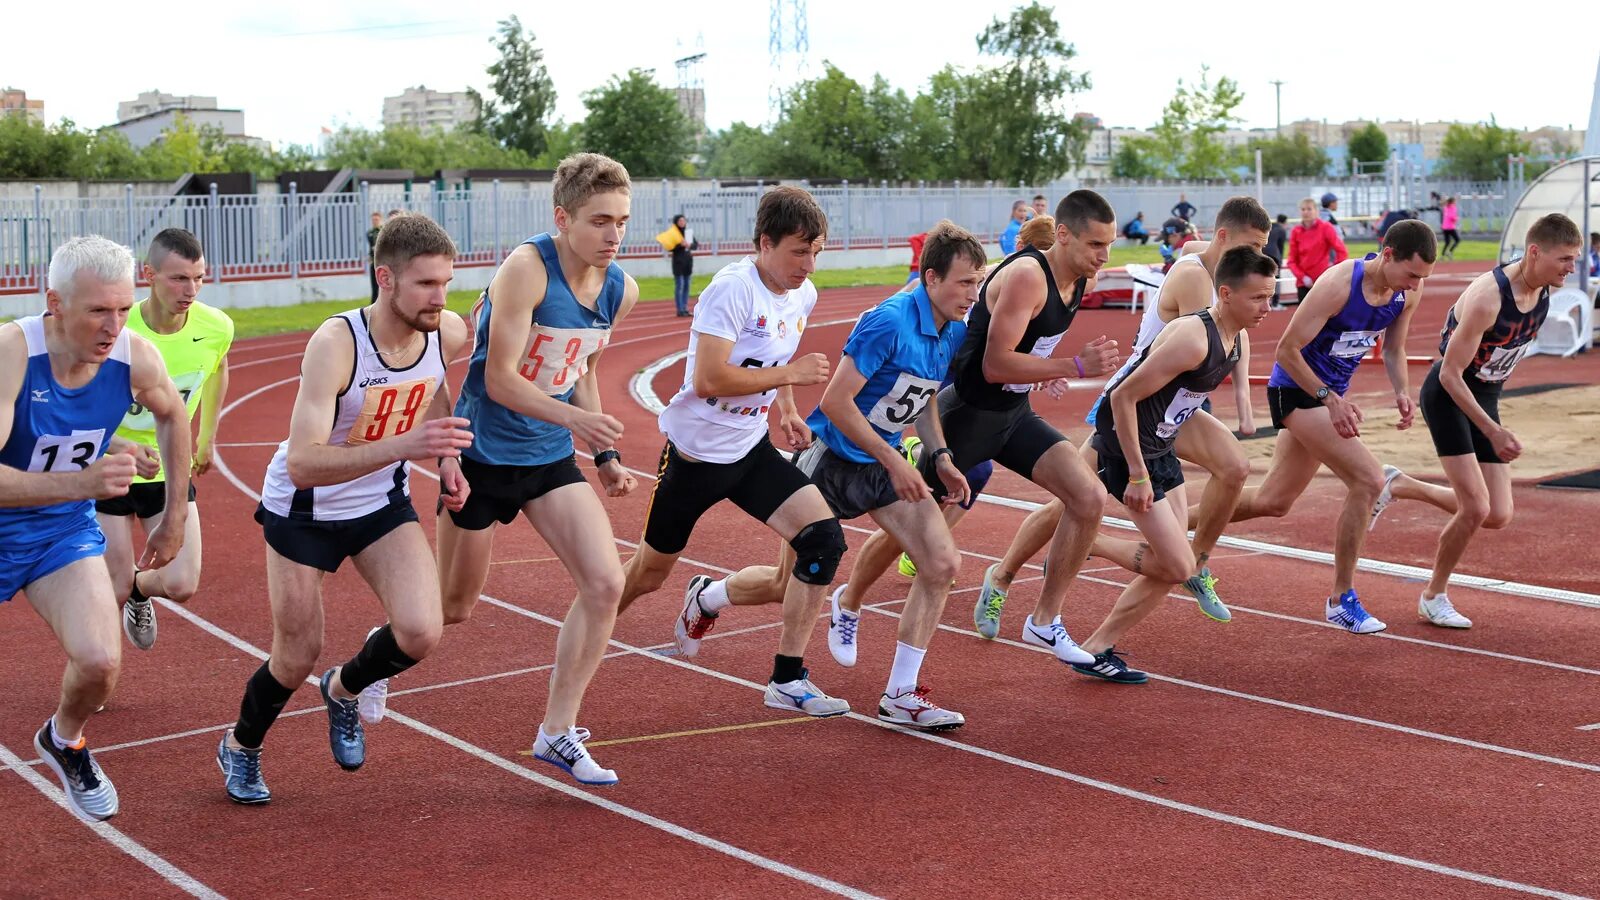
(903,403)
(141,419)
(1500,363)
(66,453)
(1042,348)
(1354,344)
(556,358)
(388,410)
(1178,411)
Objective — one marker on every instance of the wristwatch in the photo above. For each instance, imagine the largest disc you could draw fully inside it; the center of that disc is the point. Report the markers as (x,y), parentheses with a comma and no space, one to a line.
(605,456)
(1321,394)
(944,451)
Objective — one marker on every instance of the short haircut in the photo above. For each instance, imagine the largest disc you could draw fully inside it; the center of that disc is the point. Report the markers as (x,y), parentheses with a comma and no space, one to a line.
(1243,212)
(1038,196)
(1554,230)
(396,212)
(1309,200)
(1411,237)
(1282,218)
(407,237)
(173,240)
(104,260)
(582,175)
(1241,263)
(946,243)
(785,211)
(1594,236)
(1040,231)
(1077,209)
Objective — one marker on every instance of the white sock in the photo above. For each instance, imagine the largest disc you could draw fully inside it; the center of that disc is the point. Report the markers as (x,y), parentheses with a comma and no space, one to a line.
(907,665)
(55,736)
(715,597)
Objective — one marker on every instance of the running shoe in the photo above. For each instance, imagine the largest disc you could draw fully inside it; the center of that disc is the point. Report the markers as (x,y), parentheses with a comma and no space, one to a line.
(1349,614)
(991,599)
(1054,638)
(693,622)
(912,709)
(241,773)
(374,698)
(803,696)
(906,566)
(1204,589)
(842,630)
(566,752)
(139,621)
(1385,496)
(1440,611)
(1108,666)
(89,792)
(345,736)
(908,448)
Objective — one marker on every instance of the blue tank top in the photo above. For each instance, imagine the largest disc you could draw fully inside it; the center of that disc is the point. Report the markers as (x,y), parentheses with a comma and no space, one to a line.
(1345,338)
(562,335)
(60,429)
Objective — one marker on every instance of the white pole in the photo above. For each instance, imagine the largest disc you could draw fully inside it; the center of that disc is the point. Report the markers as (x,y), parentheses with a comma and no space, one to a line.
(1260,196)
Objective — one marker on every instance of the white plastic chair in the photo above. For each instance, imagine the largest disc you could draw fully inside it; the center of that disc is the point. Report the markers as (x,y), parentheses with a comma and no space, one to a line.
(1568,327)
(1146,284)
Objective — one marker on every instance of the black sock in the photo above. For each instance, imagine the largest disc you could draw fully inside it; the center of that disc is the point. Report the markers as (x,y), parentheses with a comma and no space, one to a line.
(787,668)
(380,657)
(137,594)
(263,699)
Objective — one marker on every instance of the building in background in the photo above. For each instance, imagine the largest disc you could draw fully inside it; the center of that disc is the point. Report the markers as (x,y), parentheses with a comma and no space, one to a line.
(423,109)
(15,102)
(692,103)
(144,119)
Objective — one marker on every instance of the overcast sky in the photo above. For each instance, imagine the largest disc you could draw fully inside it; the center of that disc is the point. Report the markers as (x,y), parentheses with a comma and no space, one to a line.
(299,65)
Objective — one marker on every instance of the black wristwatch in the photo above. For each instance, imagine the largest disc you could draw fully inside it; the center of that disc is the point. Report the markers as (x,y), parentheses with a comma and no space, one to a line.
(605,456)
(1321,394)
(945,451)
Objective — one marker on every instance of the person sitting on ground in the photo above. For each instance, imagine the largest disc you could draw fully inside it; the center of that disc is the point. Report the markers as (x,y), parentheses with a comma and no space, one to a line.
(1135,230)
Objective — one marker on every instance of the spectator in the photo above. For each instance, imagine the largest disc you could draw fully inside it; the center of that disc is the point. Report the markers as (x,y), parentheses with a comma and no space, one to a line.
(1184,209)
(1594,255)
(1040,206)
(1314,248)
(1449,219)
(682,263)
(1391,216)
(1276,239)
(1330,206)
(1008,238)
(916,241)
(1135,230)
(372,246)
(1169,249)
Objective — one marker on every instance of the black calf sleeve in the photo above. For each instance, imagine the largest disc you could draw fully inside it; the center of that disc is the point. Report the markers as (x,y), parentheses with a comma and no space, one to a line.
(263,699)
(380,657)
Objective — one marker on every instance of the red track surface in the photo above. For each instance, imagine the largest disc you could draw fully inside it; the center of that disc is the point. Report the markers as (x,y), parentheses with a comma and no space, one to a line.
(1273,756)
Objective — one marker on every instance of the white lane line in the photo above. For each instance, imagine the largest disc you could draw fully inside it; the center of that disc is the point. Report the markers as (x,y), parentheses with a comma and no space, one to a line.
(1097,784)
(1594,727)
(173,875)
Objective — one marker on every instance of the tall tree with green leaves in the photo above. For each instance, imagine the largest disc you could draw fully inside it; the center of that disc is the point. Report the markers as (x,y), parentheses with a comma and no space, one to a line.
(1291,157)
(638,123)
(1478,152)
(1186,142)
(741,150)
(1130,162)
(518,115)
(1368,144)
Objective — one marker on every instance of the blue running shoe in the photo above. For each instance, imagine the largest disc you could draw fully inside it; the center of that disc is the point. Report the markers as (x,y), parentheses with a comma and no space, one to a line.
(345,735)
(1108,666)
(241,773)
(1203,588)
(1351,616)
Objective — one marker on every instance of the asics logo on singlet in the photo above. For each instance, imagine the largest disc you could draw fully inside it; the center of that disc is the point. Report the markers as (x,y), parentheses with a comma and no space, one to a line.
(41,396)
(381,379)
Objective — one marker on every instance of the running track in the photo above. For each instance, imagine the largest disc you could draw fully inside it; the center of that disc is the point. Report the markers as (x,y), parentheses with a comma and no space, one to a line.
(1273,756)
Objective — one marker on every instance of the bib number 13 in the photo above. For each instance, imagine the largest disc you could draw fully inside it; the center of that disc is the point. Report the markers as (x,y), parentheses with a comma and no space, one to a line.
(66,453)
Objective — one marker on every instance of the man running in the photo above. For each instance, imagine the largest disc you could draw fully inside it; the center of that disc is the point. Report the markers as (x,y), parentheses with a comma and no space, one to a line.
(532,392)
(1487,332)
(1346,312)
(1188,288)
(1138,421)
(193,340)
(893,361)
(740,366)
(66,379)
(372,397)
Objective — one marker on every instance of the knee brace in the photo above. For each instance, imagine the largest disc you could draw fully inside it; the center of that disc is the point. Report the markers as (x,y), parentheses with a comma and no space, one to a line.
(817,549)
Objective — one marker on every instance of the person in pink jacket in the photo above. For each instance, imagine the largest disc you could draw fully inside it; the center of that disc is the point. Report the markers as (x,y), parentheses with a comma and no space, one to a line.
(1449,218)
(1314,247)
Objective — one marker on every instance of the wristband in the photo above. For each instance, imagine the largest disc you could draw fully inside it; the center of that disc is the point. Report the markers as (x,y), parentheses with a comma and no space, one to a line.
(1144,480)
(1079,363)
(605,456)
(945,451)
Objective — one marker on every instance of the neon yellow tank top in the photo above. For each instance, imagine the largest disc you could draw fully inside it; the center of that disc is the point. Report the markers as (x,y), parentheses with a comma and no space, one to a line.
(192,354)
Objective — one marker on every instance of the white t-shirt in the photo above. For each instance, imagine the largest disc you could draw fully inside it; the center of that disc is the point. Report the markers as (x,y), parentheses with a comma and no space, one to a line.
(765,329)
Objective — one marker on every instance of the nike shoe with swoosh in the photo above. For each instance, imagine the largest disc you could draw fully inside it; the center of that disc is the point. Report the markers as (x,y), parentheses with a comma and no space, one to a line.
(1055,639)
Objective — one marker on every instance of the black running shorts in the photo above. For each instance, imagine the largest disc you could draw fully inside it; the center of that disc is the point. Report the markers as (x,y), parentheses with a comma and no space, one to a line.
(1015,438)
(1165,471)
(145,499)
(1282,401)
(852,489)
(1453,433)
(325,544)
(758,483)
(498,493)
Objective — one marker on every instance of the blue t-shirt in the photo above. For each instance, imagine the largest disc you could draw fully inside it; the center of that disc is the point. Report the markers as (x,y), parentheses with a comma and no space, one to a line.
(1008,238)
(904,356)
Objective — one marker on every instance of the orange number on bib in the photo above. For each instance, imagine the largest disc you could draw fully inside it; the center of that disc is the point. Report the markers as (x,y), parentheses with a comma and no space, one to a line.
(380,416)
(391,410)
(535,357)
(574,345)
(412,407)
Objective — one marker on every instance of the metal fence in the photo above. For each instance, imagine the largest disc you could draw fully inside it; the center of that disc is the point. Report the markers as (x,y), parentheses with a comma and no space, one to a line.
(292,235)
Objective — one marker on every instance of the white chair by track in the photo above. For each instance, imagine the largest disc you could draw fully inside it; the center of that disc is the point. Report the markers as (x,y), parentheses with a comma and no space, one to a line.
(1569,326)
(1146,284)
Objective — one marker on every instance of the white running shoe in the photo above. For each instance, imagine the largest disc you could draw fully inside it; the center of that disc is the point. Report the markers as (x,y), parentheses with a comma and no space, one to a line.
(693,622)
(139,622)
(1054,638)
(374,698)
(842,631)
(1349,614)
(912,709)
(1440,611)
(1385,496)
(805,697)
(567,752)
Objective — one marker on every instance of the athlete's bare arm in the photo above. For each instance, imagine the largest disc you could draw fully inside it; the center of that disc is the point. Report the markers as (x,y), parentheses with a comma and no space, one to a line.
(1015,296)
(616,479)
(1188,289)
(1181,346)
(1327,297)
(212,395)
(153,389)
(324,375)
(1241,387)
(1394,358)
(1476,311)
(107,477)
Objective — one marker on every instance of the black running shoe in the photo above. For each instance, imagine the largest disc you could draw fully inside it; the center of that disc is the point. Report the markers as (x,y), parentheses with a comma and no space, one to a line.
(1108,666)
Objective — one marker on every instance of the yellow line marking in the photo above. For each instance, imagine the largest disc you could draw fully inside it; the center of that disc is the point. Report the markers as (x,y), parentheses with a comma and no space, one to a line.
(540,559)
(676,734)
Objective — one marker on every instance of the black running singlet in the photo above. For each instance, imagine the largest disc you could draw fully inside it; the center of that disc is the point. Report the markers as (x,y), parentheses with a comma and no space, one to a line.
(1044,332)
(1507,340)
(1162,413)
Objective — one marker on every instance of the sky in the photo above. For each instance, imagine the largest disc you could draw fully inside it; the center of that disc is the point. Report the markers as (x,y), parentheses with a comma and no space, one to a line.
(298,66)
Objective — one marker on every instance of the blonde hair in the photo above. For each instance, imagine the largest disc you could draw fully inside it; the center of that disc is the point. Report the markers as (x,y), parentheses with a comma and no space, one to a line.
(582,175)
(1039,231)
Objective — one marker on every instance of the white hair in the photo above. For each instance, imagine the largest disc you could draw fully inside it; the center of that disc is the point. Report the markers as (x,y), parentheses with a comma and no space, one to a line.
(104,260)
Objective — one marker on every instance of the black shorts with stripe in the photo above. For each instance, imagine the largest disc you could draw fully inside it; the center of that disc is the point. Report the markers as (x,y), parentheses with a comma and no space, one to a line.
(145,499)
(325,544)
(758,483)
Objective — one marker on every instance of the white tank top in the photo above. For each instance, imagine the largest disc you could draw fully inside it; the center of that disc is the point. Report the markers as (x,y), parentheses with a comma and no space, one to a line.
(379,402)
(1151,323)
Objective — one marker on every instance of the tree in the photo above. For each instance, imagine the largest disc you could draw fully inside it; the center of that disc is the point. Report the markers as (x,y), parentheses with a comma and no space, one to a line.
(741,150)
(1290,157)
(1478,152)
(524,95)
(422,152)
(1185,142)
(1130,162)
(638,123)
(1369,144)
